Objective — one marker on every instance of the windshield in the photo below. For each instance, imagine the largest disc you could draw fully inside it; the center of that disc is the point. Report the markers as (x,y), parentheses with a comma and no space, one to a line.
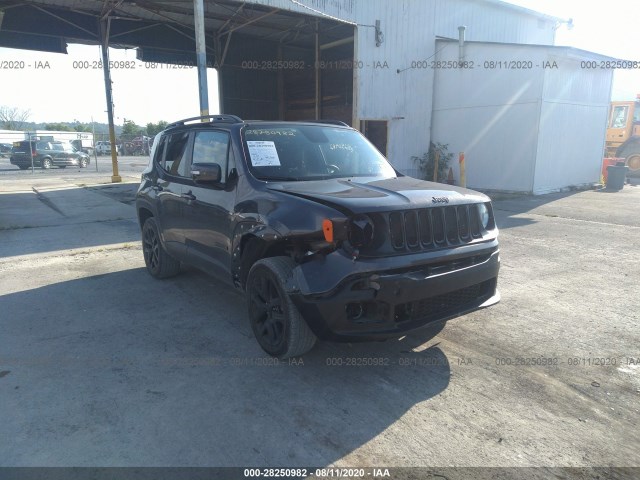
(619,116)
(312,152)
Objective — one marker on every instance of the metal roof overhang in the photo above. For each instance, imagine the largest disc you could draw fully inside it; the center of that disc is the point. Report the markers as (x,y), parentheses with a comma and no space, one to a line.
(164,31)
(161,30)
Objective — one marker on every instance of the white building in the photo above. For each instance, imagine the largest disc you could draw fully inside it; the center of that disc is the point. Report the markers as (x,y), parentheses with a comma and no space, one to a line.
(377,65)
(517,126)
(528,118)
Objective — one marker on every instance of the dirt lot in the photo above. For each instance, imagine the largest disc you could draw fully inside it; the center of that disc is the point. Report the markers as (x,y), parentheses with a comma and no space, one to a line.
(101,365)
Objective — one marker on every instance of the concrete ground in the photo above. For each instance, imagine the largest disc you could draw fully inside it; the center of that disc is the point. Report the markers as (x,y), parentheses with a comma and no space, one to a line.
(101,365)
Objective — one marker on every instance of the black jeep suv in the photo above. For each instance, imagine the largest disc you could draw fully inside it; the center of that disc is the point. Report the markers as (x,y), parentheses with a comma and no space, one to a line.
(312,222)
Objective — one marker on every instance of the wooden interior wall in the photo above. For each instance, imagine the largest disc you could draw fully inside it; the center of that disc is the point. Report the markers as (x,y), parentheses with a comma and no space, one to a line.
(253,87)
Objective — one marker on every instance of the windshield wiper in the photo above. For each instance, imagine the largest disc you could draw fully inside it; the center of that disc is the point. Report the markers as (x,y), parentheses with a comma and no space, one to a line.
(280,179)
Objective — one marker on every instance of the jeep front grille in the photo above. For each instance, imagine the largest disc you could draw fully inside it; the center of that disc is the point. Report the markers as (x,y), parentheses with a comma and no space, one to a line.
(434,227)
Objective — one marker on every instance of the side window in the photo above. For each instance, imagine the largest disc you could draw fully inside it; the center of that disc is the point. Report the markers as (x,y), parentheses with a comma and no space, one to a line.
(619,116)
(176,153)
(212,147)
(159,153)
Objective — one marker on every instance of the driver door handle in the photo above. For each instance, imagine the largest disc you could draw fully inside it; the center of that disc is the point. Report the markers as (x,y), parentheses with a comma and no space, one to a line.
(188,195)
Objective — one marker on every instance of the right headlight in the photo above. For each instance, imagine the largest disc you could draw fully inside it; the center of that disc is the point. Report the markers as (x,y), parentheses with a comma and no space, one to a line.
(361,231)
(484,215)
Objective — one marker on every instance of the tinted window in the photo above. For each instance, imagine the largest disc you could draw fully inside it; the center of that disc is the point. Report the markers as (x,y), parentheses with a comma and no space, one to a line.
(176,153)
(212,147)
(159,153)
(306,152)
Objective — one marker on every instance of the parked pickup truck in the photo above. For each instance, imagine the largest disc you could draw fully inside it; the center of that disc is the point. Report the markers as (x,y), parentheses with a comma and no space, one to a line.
(104,148)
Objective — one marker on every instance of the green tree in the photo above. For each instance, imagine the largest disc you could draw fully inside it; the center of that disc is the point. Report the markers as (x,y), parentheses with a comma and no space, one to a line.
(130,128)
(58,127)
(155,128)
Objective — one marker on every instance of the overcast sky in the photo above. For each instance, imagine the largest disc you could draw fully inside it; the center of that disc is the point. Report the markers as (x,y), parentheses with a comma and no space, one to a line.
(65,93)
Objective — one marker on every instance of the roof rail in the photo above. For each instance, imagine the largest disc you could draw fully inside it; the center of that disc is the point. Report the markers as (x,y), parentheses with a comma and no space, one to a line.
(330,122)
(219,118)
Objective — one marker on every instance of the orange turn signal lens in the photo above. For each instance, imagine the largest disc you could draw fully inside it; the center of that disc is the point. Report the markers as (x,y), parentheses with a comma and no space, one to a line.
(327,229)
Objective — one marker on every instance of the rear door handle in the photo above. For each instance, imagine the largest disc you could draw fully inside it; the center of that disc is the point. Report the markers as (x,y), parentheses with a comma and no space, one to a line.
(188,195)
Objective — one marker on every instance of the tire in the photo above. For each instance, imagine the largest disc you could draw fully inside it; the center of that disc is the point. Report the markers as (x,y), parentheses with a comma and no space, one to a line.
(83,163)
(46,163)
(277,324)
(633,162)
(159,263)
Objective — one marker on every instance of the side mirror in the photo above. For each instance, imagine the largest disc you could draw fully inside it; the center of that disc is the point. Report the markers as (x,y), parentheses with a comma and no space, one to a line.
(206,173)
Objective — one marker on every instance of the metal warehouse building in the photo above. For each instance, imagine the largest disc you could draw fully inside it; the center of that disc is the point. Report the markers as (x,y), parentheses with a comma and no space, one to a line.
(379,65)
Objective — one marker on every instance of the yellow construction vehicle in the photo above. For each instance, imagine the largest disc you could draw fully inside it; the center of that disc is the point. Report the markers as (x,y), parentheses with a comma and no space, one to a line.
(623,133)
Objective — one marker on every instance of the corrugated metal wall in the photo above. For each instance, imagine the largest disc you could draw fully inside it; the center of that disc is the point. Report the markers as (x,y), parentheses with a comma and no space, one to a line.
(342,9)
(488,22)
(402,99)
(490,114)
(537,129)
(573,117)
(410,28)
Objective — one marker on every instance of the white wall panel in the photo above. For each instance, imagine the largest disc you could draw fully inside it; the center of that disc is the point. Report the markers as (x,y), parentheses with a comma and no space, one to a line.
(499,153)
(410,28)
(531,130)
(575,106)
(570,146)
(490,114)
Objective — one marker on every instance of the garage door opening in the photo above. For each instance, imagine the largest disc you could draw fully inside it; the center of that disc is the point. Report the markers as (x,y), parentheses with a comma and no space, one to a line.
(377,133)
(307,75)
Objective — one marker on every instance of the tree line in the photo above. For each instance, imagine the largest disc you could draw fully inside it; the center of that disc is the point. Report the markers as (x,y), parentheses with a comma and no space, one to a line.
(13,118)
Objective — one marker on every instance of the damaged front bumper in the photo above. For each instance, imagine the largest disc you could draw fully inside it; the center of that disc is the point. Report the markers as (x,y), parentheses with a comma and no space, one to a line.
(377,298)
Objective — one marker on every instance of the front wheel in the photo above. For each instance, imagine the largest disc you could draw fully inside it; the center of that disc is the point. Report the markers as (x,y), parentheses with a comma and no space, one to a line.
(633,162)
(83,163)
(159,263)
(277,324)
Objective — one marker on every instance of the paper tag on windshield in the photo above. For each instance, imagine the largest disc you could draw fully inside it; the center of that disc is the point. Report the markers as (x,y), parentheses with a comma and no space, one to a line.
(263,154)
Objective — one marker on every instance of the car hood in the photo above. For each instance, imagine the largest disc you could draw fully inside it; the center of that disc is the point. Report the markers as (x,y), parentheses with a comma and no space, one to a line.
(360,195)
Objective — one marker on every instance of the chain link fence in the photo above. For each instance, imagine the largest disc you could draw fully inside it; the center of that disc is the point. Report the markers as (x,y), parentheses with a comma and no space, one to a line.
(127,145)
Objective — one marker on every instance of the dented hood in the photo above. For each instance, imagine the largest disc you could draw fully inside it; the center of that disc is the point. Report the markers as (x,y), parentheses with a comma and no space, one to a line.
(369,194)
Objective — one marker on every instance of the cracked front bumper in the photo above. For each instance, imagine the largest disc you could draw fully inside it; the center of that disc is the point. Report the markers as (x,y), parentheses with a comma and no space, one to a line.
(371,299)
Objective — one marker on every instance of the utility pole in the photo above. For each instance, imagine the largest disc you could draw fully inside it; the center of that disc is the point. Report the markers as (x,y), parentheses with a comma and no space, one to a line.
(201,56)
(104,30)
